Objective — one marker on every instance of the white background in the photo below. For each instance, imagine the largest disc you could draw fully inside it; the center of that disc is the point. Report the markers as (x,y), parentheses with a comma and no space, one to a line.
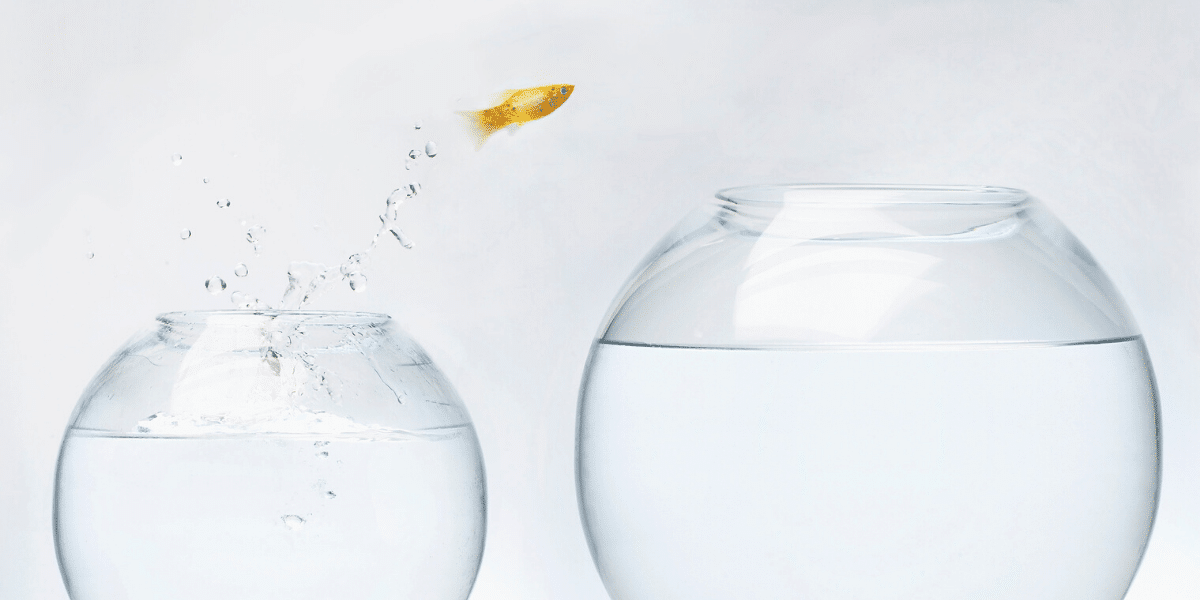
(300,113)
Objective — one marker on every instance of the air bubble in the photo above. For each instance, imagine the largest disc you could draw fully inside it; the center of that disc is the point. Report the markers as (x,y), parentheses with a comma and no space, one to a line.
(413,154)
(409,164)
(205,180)
(185,234)
(215,285)
(223,203)
(177,159)
(430,149)
(414,188)
(323,455)
(563,91)
(293,522)
(241,270)
(239,299)
(358,282)
(89,255)
(330,495)
(321,443)
(255,233)
(417,125)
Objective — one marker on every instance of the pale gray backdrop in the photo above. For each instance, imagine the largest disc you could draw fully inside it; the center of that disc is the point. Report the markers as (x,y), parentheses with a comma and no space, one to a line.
(301,112)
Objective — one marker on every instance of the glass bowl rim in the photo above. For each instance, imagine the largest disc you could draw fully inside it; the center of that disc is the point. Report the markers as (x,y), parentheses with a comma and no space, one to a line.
(870,194)
(308,317)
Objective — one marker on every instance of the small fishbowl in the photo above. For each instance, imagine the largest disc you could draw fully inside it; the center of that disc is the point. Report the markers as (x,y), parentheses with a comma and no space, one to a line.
(270,454)
(849,392)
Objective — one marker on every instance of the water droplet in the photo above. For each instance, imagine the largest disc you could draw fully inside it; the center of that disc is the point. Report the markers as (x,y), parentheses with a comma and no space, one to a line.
(241,270)
(417,125)
(430,149)
(354,264)
(185,234)
(400,237)
(409,164)
(89,255)
(414,188)
(414,154)
(223,203)
(239,299)
(396,197)
(205,180)
(293,522)
(255,233)
(215,285)
(563,91)
(177,159)
(330,495)
(358,282)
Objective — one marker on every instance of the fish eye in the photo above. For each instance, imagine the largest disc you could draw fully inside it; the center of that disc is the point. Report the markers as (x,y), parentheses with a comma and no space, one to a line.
(563,91)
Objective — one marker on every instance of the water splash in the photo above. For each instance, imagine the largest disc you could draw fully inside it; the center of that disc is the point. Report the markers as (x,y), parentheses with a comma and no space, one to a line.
(306,281)
(309,280)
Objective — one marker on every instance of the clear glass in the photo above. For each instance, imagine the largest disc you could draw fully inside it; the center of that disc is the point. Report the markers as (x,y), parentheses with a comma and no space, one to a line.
(839,392)
(261,455)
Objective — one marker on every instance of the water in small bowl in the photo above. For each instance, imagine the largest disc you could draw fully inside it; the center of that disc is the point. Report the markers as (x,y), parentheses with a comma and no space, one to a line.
(242,454)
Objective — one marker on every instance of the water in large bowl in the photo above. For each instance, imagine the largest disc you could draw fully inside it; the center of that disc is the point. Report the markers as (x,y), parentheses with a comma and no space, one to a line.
(868,393)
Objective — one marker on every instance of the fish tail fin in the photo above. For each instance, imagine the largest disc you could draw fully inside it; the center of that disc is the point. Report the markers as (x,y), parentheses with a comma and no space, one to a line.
(478,126)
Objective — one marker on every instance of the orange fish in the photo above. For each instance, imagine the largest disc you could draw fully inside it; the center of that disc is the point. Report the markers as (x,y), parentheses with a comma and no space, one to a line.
(517,108)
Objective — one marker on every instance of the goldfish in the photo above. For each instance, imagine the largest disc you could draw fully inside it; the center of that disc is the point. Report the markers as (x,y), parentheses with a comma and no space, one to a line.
(517,108)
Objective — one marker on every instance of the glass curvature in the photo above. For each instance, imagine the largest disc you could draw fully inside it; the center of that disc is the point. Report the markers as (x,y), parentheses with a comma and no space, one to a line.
(256,455)
(843,392)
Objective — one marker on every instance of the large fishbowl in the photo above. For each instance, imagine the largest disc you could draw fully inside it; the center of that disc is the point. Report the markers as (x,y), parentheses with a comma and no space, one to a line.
(270,454)
(848,392)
